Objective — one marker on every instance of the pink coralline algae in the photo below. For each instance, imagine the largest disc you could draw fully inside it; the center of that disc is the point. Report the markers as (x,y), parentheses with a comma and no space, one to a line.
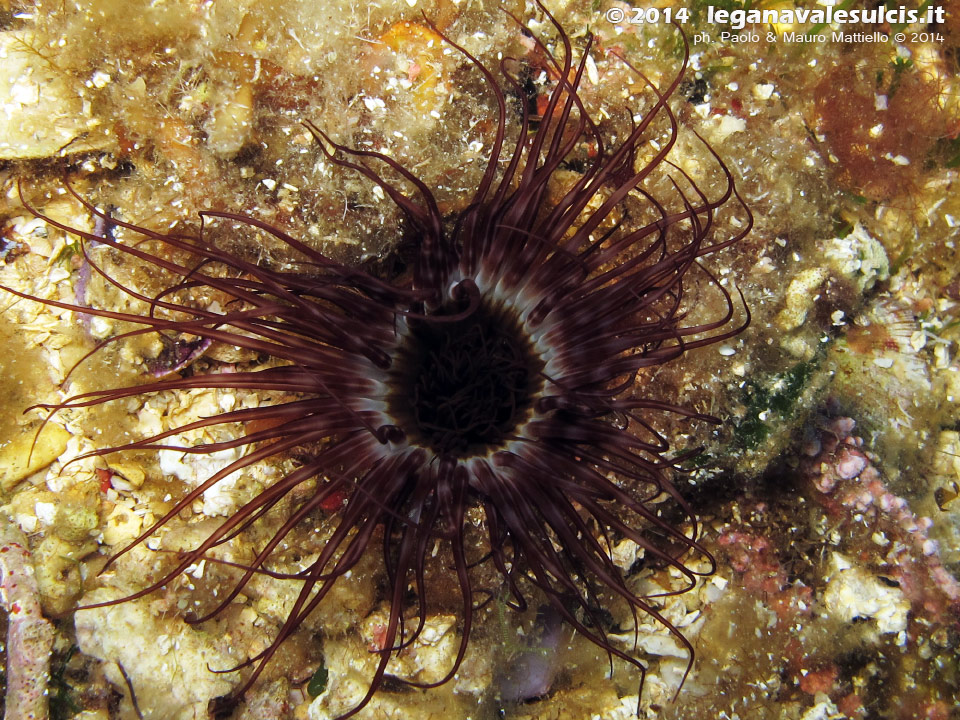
(756,557)
(842,587)
(29,634)
(850,485)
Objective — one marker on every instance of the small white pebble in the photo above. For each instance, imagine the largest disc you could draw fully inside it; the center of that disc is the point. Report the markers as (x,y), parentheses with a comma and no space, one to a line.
(918,339)
(763,91)
(100,327)
(46,512)
(592,74)
(730,125)
(100,79)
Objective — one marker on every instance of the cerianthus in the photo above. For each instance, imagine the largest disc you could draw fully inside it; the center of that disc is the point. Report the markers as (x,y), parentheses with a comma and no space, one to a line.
(498,378)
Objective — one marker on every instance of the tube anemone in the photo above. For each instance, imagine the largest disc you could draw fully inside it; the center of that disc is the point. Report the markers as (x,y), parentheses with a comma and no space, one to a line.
(500,375)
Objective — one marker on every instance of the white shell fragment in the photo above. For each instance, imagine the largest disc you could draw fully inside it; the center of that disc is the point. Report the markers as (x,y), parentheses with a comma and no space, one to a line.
(852,592)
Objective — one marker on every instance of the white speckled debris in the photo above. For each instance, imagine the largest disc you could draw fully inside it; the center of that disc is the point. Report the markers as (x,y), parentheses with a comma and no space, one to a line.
(860,257)
(40,114)
(167,661)
(852,592)
(823,710)
(800,298)
(26,453)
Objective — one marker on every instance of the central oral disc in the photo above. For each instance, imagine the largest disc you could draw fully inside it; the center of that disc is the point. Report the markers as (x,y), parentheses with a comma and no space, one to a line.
(463,382)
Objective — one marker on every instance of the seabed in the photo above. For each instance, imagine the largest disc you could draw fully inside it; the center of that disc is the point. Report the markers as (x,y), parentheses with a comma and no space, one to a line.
(828,496)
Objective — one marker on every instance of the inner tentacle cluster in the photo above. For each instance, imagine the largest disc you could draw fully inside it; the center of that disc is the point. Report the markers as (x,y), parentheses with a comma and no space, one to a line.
(419,402)
(463,379)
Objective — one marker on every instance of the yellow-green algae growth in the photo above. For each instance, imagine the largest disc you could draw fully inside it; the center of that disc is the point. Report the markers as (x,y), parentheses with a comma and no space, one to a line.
(846,154)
